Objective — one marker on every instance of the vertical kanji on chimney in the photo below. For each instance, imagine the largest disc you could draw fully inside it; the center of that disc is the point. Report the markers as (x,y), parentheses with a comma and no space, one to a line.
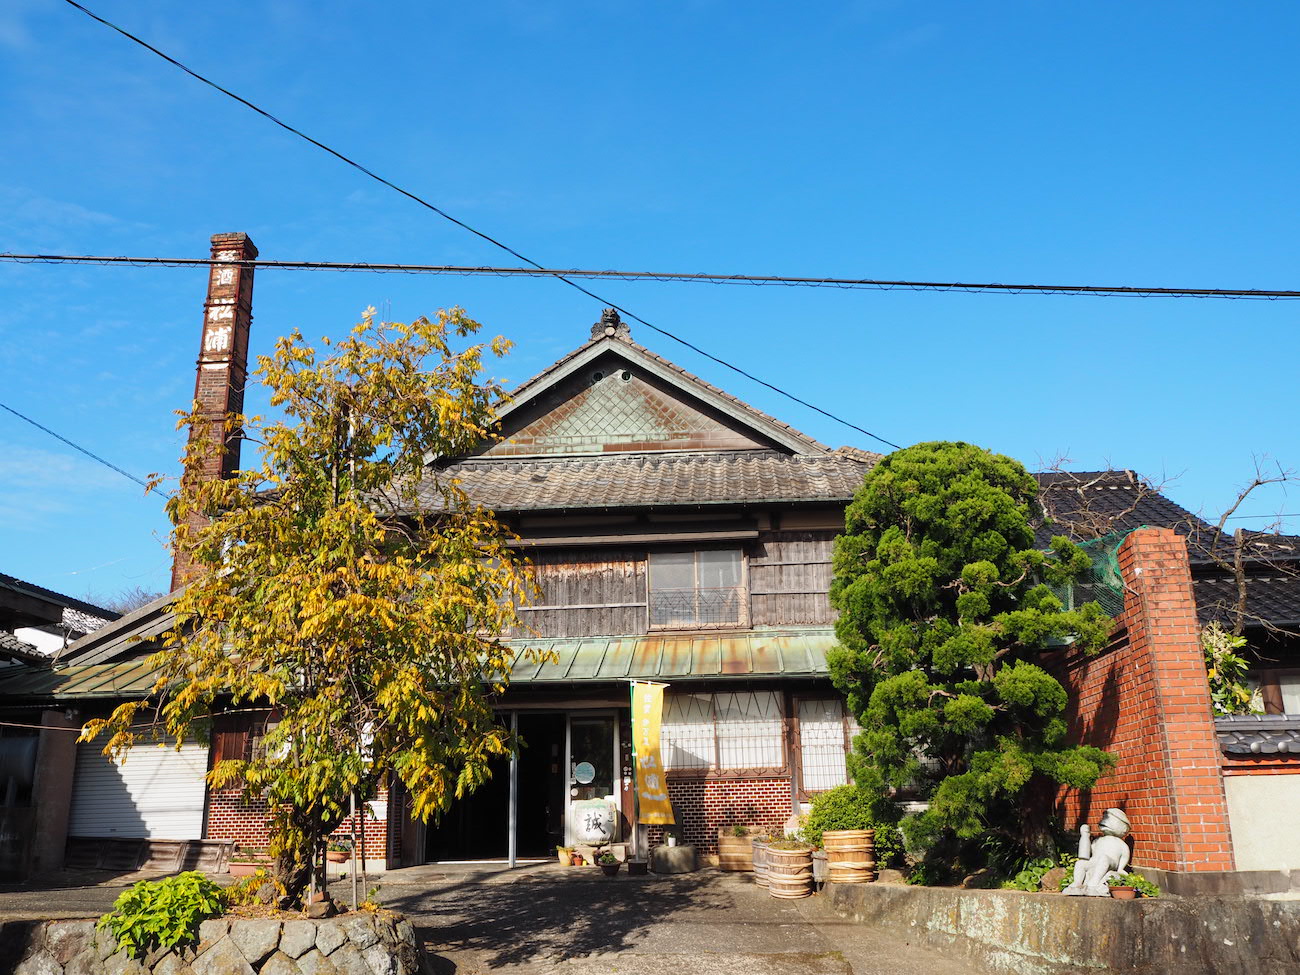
(222,365)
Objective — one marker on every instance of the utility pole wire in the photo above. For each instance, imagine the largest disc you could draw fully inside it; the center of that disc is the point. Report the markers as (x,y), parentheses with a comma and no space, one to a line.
(478,233)
(75,446)
(758,280)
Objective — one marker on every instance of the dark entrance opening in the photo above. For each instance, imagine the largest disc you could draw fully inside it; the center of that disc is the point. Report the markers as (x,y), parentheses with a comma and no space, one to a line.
(477,827)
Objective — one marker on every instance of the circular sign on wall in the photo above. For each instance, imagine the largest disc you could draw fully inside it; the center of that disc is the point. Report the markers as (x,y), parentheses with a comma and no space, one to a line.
(584,772)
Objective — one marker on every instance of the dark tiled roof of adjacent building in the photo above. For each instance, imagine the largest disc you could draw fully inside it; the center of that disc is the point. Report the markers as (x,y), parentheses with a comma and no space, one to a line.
(16,649)
(1259,734)
(639,480)
(50,596)
(1269,596)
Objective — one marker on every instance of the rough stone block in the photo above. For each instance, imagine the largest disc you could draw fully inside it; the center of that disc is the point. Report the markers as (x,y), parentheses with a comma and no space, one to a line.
(360,929)
(280,964)
(105,943)
(120,963)
(211,931)
(39,963)
(86,963)
(348,961)
(67,939)
(297,938)
(380,959)
(329,937)
(170,964)
(256,939)
(673,859)
(223,958)
(314,963)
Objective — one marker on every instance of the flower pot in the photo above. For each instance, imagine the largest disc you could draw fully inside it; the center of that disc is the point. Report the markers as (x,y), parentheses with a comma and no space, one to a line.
(735,853)
(637,868)
(850,855)
(610,869)
(1124,893)
(247,869)
(336,856)
(790,872)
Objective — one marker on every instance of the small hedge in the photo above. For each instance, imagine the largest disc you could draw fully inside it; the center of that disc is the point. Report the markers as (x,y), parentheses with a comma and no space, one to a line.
(163,913)
(845,807)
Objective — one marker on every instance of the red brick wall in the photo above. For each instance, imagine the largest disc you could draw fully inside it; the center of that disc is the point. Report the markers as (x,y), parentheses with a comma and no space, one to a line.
(231,817)
(1146,699)
(703,805)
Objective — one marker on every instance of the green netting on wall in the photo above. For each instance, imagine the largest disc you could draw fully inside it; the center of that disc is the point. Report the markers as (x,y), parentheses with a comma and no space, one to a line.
(1102,583)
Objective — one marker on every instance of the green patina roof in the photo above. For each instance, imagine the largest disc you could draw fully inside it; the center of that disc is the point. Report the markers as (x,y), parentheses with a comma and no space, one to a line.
(682,656)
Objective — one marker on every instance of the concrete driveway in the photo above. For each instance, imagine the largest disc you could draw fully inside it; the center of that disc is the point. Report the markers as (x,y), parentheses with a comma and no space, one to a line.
(552,920)
(575,921)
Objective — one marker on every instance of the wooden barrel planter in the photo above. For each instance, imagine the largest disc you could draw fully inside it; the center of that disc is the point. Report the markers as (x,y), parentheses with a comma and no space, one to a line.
(735,853)
(759,859)
(790,872)
(850,855)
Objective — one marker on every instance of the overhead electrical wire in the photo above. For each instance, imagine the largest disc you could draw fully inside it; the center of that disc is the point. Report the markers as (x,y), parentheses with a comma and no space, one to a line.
(478,233)
(75,446)
(759,280)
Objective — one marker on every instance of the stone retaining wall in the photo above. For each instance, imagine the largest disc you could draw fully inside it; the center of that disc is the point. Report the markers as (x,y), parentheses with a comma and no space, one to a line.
(358,943)
(1049,934)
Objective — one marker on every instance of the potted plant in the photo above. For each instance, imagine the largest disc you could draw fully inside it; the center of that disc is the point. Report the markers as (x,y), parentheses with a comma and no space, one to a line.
(246,862)
(578,860)
(565,855)
(609,864)
(840,822)
(1127,886)
(337,852)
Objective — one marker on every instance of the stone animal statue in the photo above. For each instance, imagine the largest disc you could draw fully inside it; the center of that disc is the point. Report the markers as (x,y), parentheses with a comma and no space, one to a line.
(1101,858)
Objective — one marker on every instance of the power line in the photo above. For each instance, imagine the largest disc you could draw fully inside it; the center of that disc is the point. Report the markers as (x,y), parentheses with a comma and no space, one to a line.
(759,280)
(478,233)
(76,446)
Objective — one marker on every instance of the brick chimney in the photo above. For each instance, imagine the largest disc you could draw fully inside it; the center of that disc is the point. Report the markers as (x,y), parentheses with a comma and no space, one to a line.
(222,365)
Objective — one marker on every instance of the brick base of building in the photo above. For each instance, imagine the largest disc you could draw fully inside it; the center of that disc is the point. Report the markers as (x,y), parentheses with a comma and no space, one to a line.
(706,804)
(232,817)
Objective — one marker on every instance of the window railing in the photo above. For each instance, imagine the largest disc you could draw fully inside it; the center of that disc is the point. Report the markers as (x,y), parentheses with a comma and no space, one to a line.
(696,607)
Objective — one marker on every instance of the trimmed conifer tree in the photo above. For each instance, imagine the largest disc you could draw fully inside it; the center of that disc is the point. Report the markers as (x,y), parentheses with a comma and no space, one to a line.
(945,603)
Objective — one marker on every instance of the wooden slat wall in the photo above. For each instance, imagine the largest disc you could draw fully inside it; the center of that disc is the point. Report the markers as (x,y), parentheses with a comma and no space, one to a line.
(789,577)
(596,582)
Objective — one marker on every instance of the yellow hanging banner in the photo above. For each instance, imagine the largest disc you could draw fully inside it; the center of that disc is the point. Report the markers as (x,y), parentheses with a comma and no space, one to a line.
(653,804)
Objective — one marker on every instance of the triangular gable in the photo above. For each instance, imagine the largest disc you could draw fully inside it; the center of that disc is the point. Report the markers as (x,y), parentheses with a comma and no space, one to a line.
(614,396)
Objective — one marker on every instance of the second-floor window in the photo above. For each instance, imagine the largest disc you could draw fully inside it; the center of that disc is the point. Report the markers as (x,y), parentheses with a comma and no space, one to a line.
(701,588)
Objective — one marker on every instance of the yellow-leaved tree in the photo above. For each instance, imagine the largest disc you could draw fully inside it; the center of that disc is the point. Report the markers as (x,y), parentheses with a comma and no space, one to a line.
(343,587)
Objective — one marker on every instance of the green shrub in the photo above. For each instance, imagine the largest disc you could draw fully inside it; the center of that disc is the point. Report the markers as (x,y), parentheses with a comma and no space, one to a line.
(244,891)
(1031,877)
(163,913)
(845,807)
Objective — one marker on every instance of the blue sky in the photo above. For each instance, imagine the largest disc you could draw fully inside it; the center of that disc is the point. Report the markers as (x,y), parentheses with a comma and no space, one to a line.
(1109,143)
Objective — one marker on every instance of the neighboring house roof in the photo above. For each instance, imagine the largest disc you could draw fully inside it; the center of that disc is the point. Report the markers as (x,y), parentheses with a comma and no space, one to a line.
(1259,734)
(642,480)
(56,607)
(13,648)
(127,679)
(133,635)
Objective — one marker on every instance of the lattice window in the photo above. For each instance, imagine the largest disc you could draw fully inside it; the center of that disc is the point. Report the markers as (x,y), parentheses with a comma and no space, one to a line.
(825,730)
(696,588)
(723,732)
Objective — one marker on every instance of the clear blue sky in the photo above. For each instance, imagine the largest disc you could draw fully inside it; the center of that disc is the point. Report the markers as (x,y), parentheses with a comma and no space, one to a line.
(1111,143)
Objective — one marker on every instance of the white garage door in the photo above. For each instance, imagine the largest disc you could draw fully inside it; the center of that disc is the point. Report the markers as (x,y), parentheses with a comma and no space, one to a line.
(156,794)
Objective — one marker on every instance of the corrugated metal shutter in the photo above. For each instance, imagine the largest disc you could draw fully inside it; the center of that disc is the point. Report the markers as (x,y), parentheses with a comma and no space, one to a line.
(156,794)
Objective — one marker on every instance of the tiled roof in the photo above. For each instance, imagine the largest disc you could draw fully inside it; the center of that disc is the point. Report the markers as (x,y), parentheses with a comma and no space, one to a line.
(1269,596)
(11,646)
(49,595)
(1259,734)
(1085,504)
(130,678)
(636,480)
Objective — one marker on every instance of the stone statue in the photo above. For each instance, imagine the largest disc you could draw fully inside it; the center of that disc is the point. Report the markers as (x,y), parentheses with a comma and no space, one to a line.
(1101,858)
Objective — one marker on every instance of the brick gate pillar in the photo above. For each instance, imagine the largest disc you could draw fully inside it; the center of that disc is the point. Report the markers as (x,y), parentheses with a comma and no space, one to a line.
(1147,700)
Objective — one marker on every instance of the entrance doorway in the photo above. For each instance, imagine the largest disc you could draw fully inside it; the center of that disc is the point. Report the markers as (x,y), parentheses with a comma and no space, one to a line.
(477,827)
